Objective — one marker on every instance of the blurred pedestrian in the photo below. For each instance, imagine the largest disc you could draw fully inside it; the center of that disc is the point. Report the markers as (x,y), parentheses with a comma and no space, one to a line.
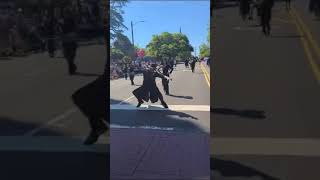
(288,4)
(131,74)
(166,70)
(69,43)
(193,64)
(266,10)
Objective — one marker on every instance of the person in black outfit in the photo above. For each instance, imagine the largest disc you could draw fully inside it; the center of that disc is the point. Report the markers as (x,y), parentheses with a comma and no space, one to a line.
(288,4)
(167,70)
(50,27)
(149,89)
(186,63)
(69,43)
(92,102)
(193,64)
(244,8)
(131,75)
(314,7)
(125,71)
(266,10)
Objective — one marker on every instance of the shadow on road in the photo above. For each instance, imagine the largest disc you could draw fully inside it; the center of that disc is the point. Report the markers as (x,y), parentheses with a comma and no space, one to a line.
(254,114)
(14,127)
(234,169)
(34,164)
(153,118)
(183,97)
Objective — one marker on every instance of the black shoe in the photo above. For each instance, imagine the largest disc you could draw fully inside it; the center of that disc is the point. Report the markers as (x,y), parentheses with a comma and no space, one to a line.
(94,135)
(139,103)
(164,105)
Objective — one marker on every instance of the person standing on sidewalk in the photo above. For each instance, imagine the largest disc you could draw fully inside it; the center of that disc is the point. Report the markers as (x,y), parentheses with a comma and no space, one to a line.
(69,43)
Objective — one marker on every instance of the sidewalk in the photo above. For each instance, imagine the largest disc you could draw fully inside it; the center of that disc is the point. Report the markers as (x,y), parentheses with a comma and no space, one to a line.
(156,154)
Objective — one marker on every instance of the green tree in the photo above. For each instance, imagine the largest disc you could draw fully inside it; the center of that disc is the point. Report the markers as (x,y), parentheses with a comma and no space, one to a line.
(116,18)
(116,54)
(167,46)
(204,50)
(205,47)
(123,44)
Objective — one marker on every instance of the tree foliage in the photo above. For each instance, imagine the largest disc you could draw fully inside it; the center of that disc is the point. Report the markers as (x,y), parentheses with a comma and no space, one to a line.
(168,45)
(121,47)
(116,19)
(204,50)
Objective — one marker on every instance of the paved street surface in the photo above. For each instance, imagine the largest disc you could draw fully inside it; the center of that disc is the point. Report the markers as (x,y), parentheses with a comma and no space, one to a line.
(41,130)
(265,96)
(151,142)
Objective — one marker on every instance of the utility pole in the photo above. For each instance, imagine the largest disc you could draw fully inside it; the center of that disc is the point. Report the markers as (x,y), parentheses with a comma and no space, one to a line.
(132,34)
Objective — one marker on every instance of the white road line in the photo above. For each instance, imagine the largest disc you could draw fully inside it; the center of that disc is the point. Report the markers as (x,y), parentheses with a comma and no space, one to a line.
(52,121)
(144,107)
(266,146)
(131,97)
(52,144)
(115,126)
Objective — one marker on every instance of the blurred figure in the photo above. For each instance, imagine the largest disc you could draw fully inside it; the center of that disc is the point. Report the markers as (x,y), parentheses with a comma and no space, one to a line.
(131,74)
(288,4)
(314,7)
(15,39)
(266,13)
(193,64)
(149,89)
(244,8)
(166,70)
(186,63)
(92,102)
(69,43)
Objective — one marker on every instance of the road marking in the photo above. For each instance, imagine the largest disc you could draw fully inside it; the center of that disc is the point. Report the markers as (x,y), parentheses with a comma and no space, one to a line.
(145,107)
(308,33)
(52,121)
(282,20)
(131,97)
(207,77)
(265,146)
(52,144)
(115,126)
(307,50)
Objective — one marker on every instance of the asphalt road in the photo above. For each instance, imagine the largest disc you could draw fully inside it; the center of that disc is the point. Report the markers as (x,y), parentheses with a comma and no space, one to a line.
(189,92)
(151,142)
(41,130)
(265,97)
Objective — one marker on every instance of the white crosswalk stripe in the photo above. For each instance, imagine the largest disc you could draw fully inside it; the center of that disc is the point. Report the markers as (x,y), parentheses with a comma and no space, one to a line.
(143,107)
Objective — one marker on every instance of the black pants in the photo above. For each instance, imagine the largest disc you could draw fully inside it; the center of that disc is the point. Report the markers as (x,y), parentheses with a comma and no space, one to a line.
(69,52)
(165,84)
(51,47)
(92,102)
(288,4)
(192,68)
(131,79)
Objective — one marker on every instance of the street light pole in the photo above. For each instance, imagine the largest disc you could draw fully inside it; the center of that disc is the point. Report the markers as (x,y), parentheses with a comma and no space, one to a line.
(132,34)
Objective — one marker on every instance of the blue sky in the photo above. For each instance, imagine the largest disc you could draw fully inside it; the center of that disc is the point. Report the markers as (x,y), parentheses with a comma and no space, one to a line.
(192,16)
